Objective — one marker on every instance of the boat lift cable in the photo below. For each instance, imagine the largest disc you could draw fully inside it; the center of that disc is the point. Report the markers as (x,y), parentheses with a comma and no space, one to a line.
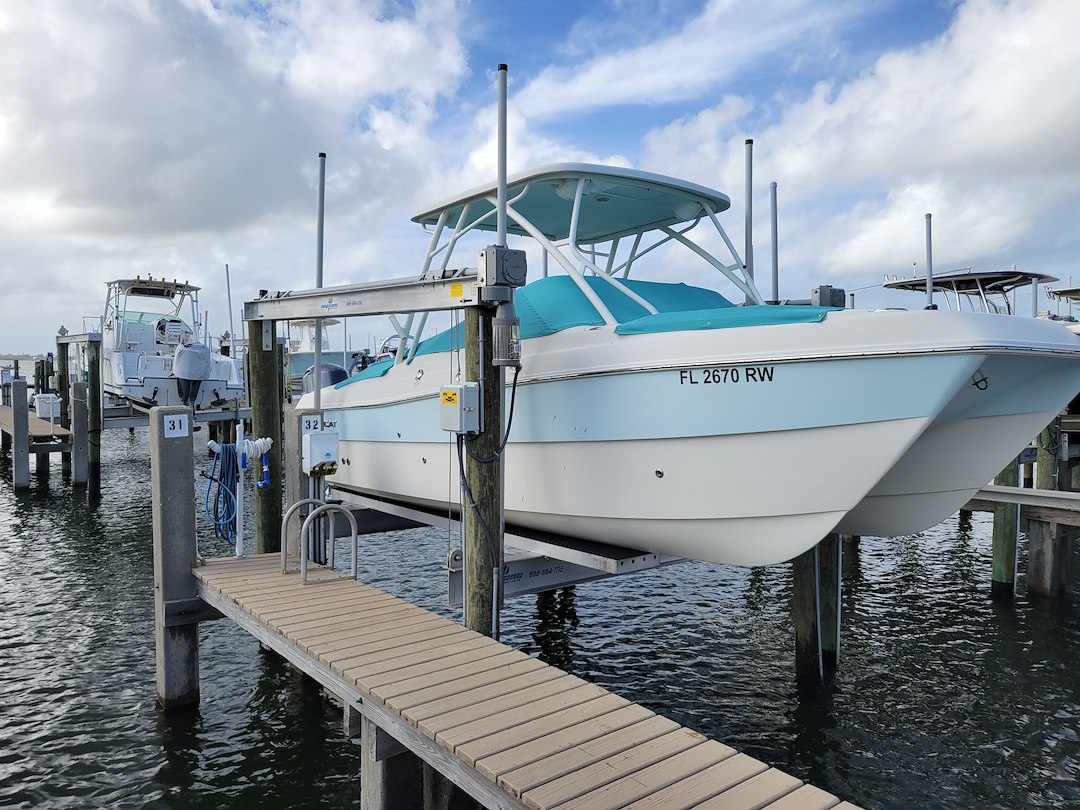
(492,546)
(506,436)
(222,487)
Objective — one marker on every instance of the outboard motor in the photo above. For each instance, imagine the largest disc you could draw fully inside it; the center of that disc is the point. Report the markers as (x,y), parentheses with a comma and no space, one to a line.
(331,375)
(191,365)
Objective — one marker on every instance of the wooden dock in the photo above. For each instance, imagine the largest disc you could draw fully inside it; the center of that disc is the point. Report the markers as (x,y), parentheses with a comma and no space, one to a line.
(510,730)
(43,437)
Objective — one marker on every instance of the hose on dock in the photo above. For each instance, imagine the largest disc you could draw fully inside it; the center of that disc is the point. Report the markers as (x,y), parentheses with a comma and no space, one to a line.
(221,487)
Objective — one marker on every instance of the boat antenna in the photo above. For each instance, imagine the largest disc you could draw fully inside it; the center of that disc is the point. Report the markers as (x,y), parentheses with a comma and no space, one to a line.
(228,292)
(500,221)
(929,268)
(748,259)
(319,278)
(775,248)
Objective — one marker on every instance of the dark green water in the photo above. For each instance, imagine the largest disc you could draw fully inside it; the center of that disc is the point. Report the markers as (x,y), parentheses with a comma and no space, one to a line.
(943,699)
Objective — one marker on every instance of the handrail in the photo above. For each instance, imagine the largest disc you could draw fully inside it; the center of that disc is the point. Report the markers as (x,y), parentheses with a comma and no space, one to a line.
(330,507)
(285,526)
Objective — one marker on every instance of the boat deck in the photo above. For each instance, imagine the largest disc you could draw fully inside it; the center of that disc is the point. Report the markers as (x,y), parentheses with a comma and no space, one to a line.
(511,730)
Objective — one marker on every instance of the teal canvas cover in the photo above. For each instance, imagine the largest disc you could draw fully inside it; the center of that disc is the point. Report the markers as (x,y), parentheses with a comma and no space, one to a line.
(550,305)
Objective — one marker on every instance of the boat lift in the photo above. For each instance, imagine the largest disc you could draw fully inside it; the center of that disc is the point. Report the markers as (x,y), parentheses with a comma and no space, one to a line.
(531,571)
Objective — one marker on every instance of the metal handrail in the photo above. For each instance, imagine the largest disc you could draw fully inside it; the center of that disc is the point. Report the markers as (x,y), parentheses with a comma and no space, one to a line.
(285,527)
(330,507)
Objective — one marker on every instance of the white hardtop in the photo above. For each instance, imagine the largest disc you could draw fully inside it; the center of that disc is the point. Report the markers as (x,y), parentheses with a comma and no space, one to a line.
(616,202)
(151,287)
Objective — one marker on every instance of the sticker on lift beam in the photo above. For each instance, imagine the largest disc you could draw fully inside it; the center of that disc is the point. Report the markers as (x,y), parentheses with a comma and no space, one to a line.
(449,397)
(457,289)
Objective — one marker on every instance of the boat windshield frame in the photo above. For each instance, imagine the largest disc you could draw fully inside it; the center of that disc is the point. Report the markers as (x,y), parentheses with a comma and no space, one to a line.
(562,208)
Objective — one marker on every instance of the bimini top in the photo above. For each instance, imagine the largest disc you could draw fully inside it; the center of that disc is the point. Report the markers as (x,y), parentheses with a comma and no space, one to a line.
(968,282)
(615,202)
(152,287)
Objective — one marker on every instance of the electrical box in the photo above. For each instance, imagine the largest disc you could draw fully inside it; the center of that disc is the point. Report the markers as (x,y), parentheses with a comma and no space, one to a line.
(499,265)
(459,408)
(319,453)
(828,296)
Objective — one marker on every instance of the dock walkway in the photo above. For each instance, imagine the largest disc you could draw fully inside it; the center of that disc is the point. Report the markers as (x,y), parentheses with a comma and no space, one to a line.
(42,436)
(510,730)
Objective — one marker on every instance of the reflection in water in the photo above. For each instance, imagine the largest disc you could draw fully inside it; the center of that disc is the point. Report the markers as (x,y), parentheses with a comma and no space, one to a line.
(556,621)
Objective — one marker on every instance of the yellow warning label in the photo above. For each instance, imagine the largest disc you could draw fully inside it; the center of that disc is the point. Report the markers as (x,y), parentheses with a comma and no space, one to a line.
(457,289)
(449,397)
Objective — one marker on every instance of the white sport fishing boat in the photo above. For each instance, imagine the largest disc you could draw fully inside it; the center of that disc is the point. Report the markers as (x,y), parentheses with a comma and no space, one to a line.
(152,356)
(671,417)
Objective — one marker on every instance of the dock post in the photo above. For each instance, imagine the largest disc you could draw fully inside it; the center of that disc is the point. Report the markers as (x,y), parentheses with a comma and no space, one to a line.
(1006,527)
(267,401)
(63,388)
(79,458)
(1049,553)
(173,496)
(1046,456)
(816,610)
(93,418)
(20,434)
(483,523)
(390,775)
(296,482)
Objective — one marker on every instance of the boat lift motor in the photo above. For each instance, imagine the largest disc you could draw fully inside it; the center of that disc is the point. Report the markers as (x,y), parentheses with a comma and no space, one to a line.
(499,271)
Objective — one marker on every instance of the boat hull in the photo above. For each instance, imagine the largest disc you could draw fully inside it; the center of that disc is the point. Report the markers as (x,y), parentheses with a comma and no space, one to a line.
(660,459)
(1010,399)
(747,449)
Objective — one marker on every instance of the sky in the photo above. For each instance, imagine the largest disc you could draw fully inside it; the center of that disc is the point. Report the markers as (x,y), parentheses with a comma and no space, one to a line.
(173,137)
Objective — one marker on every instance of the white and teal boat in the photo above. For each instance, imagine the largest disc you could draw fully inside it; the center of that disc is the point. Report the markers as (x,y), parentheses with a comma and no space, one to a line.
(655,411)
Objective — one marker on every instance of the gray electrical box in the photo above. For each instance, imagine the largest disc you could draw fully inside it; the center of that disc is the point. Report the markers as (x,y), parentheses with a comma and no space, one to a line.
(459,408)
(828,296)
(499,265)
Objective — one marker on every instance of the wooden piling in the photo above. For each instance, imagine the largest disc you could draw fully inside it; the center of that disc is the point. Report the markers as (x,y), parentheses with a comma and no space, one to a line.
(265,362)
(1049,558)
(816,610)
(63,389)
(1006,527)
(483,523)
(175,589)
(93,418)
(20,434)
(390,775)
(79,459)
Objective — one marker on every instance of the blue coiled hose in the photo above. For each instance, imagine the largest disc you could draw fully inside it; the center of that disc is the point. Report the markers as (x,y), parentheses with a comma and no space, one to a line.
(222,487)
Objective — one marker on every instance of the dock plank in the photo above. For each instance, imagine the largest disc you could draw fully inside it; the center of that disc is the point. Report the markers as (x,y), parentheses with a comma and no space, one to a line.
(570,760)
(550,738)
(694,790)
(639,783)
(517,732)
(589,778)
(757,791)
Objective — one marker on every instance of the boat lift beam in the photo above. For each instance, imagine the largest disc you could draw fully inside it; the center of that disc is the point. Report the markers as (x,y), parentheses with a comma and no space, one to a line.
(584,560)
(427,294)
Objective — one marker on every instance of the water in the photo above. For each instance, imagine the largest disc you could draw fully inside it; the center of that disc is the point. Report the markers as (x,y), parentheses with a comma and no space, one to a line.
(943,699)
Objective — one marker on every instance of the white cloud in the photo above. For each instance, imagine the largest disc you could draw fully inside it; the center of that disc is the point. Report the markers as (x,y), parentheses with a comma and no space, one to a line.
(709,50)
(980,127)
(164,137)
